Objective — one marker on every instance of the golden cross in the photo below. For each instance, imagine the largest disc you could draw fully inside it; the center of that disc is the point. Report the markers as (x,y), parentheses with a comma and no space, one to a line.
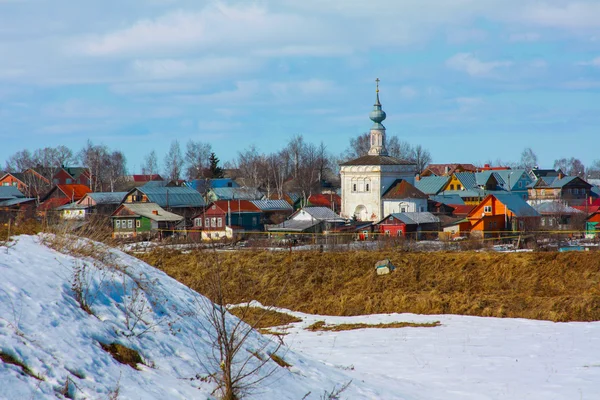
(377,82)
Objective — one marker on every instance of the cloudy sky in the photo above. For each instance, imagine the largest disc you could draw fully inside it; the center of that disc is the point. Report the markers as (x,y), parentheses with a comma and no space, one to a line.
(470,80)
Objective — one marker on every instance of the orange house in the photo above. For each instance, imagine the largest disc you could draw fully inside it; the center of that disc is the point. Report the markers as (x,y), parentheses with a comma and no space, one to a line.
(502,212)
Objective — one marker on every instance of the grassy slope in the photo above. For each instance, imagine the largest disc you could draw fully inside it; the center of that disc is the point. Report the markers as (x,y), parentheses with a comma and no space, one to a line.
(551,286)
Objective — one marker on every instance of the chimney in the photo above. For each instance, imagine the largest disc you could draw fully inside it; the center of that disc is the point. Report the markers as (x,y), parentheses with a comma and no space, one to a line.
(446,169)
(155,212)
(560,175)
(417,178)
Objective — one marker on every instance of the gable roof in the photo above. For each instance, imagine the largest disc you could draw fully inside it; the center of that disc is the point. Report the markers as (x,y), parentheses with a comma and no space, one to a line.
(173,197)
(431,184)
(272,205)
(10,192)
(104,197)
(325,200)
(512,202)
(415,218)
(76,172)
(509,179)
(17,175)
(320,213)
(462,209)
(236,206)
(452,199)
(74,191)
(467,179)
(235,193)
(555,207)
(449,169)
(149,210)
(146,178)
(378,160)
(402,189)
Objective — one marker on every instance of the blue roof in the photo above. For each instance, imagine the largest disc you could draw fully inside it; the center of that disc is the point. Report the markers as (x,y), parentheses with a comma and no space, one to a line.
(431,184)
(15,201)
(237,193)
(105,197)
(516,204)
(447,199)
(512,176)
(174,197)
(415,218)
(202,185)
(150,184)
(10,192)
(272,205)
(467,179)
(466,193)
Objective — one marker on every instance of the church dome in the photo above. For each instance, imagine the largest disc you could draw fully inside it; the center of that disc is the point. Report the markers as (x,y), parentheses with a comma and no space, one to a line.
(377,115)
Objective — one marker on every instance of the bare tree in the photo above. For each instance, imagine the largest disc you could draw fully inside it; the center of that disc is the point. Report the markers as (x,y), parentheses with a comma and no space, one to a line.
(253,167)
(593,171)
(529,159)
(95,158)
(174,161)
(115,168)
(359,146)
(20,161)
(294,148)
(238,372)
(399,149)
(571,166)
(197,158)
(150,165)
(421,157)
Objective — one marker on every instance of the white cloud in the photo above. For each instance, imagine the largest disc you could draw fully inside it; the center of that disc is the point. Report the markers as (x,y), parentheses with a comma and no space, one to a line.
(183,68)
(408,92)
(309,87)
(467,62)
(563,14)
(594,63)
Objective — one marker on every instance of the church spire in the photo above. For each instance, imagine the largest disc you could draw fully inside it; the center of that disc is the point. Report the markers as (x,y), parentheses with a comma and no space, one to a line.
(377,130)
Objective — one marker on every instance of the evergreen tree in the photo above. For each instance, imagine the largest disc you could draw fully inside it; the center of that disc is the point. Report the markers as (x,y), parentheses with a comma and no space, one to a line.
(215,170)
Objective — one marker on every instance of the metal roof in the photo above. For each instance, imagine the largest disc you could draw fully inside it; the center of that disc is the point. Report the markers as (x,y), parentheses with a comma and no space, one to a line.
(467,179)
(401,189)
(173,197)
(512,176)
(10,192)
(448,199)
(416,218)
(431,184)
(378,160)
(15,201)
(272,205)
(466,193)
(105,197)
(147,210)
(151,184)
(516,204)
(322,213)
(293,226)
(235,193)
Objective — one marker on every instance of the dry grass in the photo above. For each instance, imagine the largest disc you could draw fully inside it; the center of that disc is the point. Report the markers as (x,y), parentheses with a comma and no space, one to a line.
(10,359)
(280,361)
(261,318)
(322,326)
(548,286)
(123,354)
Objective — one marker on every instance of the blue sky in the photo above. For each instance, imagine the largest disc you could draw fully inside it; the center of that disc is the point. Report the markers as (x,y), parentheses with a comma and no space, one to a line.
(470,80)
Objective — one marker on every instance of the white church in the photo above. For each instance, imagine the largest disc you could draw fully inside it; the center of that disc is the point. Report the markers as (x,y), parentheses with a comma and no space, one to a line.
(366,179)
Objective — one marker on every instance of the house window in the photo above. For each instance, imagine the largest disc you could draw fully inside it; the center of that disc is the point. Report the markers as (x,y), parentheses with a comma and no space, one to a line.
(543,221)
(206,222)
(220,222)
(138,223)
(197,221)
(543,192)
(458,187)
(213,222)
(387,233)
(487,209)
(254,221)
(130,224)
(69,181)
(403,209)
(521,224)
(520,185)
(118,224)
(451,187)
(124,223)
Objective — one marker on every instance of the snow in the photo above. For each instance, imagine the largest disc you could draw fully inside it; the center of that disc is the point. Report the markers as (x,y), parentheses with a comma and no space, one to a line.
(42,324)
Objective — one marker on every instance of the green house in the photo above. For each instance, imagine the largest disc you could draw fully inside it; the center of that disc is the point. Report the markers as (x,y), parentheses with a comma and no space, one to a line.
(143,219)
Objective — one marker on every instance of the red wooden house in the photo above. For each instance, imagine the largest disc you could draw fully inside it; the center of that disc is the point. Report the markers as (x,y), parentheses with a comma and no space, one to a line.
(30,182)
(72,175)
(60,195)
(224,218)
(399,224)
(332,201)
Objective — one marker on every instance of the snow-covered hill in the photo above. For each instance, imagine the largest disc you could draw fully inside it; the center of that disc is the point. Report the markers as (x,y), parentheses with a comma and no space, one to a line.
(44,328)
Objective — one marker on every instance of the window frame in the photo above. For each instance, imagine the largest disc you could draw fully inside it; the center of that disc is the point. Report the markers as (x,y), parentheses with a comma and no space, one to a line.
(487,209)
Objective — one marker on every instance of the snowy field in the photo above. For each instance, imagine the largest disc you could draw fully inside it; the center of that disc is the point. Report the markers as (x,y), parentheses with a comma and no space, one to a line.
(42,325)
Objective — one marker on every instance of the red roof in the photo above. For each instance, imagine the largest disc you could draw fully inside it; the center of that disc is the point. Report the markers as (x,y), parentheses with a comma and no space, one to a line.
(236,206)
(53,203)
(74,191)
(325,200)
(401,189)
(147,178)
(440,169)
(461,209)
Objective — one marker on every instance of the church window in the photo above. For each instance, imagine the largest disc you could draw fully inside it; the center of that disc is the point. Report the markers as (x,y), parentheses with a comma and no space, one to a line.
(354,187)
(366,187)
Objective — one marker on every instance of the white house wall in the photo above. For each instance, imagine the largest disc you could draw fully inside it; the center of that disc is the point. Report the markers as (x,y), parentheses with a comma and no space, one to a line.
(410,205)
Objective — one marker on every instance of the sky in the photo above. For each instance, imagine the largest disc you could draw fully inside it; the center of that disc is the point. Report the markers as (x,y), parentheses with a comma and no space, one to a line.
(469,80)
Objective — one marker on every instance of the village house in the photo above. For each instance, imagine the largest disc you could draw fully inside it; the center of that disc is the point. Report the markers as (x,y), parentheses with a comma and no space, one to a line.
(431,185)
(183,201)
(226,219)
(97,203)
(61,195)
(403,197)
(571,190)
(501,212)
(309,220)
(556,215)
(234,193)
(417,225)
(30,182)
(447,169)
(72,175)
(144,220)
(592,225)
(273,211)
(14,204)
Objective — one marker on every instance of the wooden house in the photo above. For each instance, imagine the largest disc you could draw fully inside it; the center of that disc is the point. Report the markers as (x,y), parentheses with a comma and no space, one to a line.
(403,197)
(417,225)
(234,193)
(14,204)
(447,169)
(225,218)
(145,220)
(30,182)
(592,225)
(309,220)
(556,215)
(569,189)
(72,175)
(499,212)
(14,179)
(97,203)
(61,195)
(181,200)
(273,211)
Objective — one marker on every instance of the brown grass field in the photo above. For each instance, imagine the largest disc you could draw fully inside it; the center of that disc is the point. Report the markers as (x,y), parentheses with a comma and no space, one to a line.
(547,286)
